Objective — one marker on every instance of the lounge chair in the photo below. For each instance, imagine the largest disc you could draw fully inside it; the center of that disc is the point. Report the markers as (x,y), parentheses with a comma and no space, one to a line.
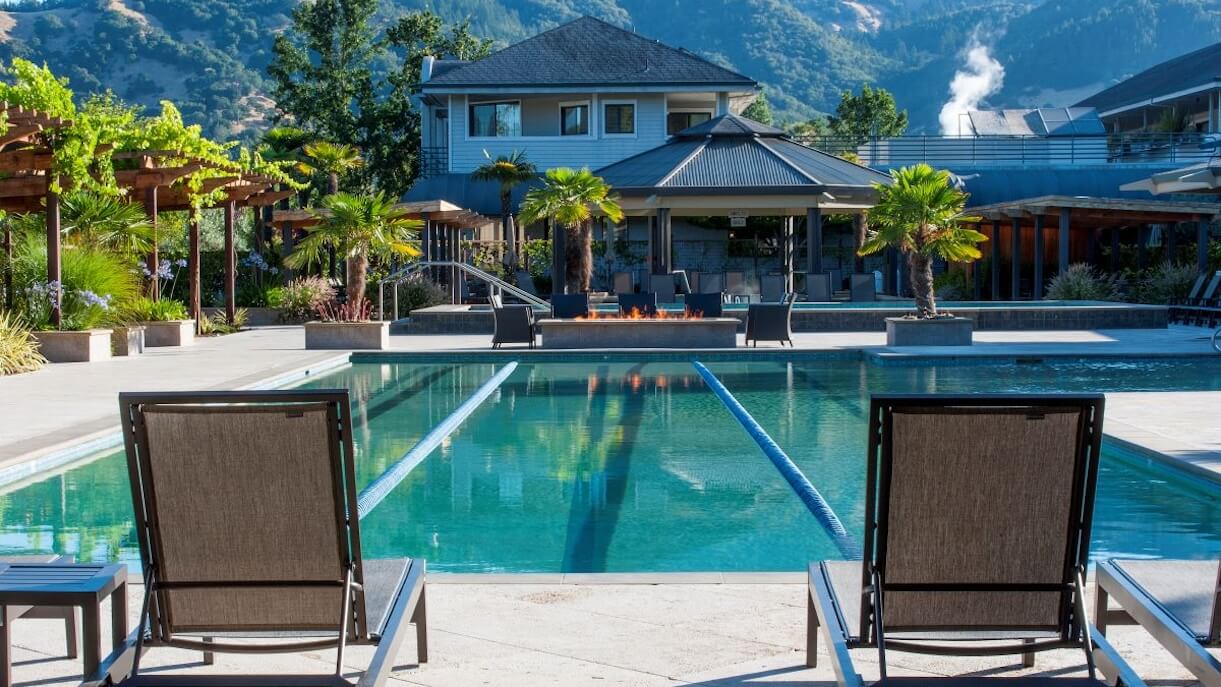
(1202,309)
(1176,304)
(623,283)
(645,303)
(862,288)
(837,279)
(818,288)
(525,282)
(1178,602)
(11,613)
(663,286)
(693,280)
(772,288)
(684,284)
(712,282)
(703,304)
(245,513)
(977,524)
(735,283)
(566,306)
(769,322)
(514,323)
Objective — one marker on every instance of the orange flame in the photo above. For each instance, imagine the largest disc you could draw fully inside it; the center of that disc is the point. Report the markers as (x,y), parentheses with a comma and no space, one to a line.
(638,314)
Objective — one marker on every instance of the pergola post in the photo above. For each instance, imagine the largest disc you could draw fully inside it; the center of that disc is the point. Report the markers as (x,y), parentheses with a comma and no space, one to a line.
(286,248)
(1038,257)
(1015,246)
(1092,246)
(1115,248)
(1142,246)
(150,209)
(1202,232)
(54,276)
(995,260)
(193,267)
(813,242)
(977,280)
(230,265)
(1065,223)
(1172,242)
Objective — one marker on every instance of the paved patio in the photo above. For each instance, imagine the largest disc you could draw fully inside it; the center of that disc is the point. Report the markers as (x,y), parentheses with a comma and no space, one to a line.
(525,635)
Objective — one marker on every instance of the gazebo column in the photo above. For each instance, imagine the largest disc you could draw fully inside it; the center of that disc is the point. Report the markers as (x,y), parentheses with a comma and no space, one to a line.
(150,209)
(230,265)
(995,260)
(813,243)
(789,226)
(1142,246)
(1065,223)
(1015,247)
(1172,242)
(1202,232)
(1115,248)
(193,267)
(664,245)
(1091,244)
(977,279)
(1038,257)
(54,275)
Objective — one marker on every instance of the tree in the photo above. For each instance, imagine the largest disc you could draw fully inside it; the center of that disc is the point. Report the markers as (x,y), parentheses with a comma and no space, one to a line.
(331,159)
(759,109)
(921,214)
(508,171)
(571,198)
(361,227)
(872,113)
(91,219)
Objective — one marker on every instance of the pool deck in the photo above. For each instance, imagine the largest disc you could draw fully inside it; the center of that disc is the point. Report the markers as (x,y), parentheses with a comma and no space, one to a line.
(48,410)
(639,635)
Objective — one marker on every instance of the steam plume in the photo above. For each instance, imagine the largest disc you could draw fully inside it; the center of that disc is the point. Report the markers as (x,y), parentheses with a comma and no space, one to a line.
(978,78)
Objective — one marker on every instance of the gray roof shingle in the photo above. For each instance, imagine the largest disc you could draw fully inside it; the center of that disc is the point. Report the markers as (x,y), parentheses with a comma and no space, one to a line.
(587,51)
(1182,73)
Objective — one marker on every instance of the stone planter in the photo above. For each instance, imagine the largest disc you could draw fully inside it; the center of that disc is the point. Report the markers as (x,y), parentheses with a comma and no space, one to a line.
(943,331)
(171,333)
(347,335)
(255,317)
(127,340)
(74,347)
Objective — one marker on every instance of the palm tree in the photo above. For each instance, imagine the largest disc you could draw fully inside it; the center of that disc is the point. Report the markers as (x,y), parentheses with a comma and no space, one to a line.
(331,159)
(570,198)
(509,171)
(360,227)
(91,219)
(921,214)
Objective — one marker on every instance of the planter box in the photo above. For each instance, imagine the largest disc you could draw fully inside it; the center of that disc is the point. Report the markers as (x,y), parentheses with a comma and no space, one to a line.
(347,335)
(943,331)
(171,333)
(127,340)
(255,317)
(74,347)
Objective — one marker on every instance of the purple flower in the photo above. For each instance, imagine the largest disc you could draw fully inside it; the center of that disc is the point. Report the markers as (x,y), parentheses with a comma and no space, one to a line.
(92,299)
(181,262)
(165,271)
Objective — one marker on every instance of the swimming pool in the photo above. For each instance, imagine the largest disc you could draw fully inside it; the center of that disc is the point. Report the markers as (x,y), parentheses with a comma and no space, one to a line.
(624,464)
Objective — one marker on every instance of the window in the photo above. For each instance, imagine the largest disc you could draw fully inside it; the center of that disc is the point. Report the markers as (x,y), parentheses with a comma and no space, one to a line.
(677,121)
(495,119)
(621,118)
(574,120)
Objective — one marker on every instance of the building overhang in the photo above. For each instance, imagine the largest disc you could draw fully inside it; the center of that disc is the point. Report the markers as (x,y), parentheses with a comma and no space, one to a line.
(1159,100)
(735,88)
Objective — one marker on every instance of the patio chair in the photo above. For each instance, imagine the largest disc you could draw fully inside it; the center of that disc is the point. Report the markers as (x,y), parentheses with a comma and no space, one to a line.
(525,282)
(1176,304)
(623,283)
(566,306)
(246,516)
(769,322)
(772,288)
(1178,602)
(735,283)
(818,288)
(513,323)
(11,613)
(683,283)
(712,282)
(645,303)
(862,288)
(1201,310)
(663,286)
(693,279)
(977,524)
(837,279)
(703,304)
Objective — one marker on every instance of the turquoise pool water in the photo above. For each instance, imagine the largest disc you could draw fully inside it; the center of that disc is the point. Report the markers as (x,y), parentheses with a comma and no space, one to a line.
(636,466)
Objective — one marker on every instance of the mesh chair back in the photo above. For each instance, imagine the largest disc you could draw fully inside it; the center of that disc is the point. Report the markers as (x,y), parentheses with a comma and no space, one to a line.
(863,288)
(566,306)
(772,288)
(982,509)
(712,282)
(818,287)
(644,303)
(663,286)
(1213,285)
(525,282)
(703,304)
(623,283)
(242,510)
(735,282)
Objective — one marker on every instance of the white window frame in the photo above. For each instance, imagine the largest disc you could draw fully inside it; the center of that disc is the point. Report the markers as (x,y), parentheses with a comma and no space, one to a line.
(635,117)
(470,118)
(687,110)
(589,115)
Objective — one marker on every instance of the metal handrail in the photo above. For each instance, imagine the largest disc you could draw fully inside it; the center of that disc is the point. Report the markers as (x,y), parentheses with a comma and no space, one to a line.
(495,284)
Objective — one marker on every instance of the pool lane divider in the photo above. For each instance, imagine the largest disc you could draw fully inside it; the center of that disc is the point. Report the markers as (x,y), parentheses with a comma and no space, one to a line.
(380,488)
(804,489)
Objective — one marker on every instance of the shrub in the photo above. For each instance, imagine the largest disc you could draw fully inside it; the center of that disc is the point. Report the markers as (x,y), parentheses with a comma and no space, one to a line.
(1081,282)
(1164,283)
(348,312)
(299,299)
(953,285)
(218,324)
(143,309)
(18,350)
(420,293)
(92,281)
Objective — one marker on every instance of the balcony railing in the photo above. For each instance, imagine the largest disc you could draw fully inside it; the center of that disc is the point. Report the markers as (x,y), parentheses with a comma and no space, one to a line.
(434,161)
(1153,148)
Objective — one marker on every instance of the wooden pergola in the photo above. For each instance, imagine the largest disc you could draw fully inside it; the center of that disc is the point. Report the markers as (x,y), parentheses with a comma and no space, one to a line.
(440,238)
(1018,232)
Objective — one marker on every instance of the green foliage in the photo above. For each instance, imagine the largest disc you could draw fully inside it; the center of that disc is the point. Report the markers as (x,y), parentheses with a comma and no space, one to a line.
(88,218)
(1164,283)
(570,198)
(18,350)
(759,109)
(143,309)
(331,160)
(538,256)
(872,113)
(299,299)
(953,285)
(421,293)
(168,131)
(94,282)
(218,324)
(487,259)
(1081,282)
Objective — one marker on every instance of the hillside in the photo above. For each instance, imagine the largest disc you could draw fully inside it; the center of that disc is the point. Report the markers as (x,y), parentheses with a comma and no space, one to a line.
(209,55)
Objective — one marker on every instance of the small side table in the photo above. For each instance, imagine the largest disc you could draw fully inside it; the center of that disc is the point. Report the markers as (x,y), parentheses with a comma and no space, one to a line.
(54,584)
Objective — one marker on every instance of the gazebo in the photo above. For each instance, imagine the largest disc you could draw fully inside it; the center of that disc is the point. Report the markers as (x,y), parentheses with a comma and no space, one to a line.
(736,167)
(1204,178)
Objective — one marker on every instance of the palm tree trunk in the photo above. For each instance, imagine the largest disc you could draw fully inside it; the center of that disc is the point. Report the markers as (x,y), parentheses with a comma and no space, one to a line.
(585,271)
(358,267)
(508,232)
(860,228)
(920,269)
(574,248)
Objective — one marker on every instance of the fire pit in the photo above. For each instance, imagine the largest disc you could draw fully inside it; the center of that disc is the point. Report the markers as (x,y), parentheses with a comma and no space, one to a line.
(637,330)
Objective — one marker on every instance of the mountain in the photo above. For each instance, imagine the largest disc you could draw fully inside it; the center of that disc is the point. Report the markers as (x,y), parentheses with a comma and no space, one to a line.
(209,56)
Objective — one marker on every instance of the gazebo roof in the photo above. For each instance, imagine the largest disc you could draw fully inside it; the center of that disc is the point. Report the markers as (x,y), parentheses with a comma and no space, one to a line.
(1204,177)
(732,155)
(1093,212)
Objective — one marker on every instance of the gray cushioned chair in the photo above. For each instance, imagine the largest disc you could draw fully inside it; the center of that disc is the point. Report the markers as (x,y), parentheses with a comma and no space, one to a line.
(566,306)
(645,303)
(246,517)
(976,538)
(1178,602)
(703,304)
(770,322)
(513,323)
